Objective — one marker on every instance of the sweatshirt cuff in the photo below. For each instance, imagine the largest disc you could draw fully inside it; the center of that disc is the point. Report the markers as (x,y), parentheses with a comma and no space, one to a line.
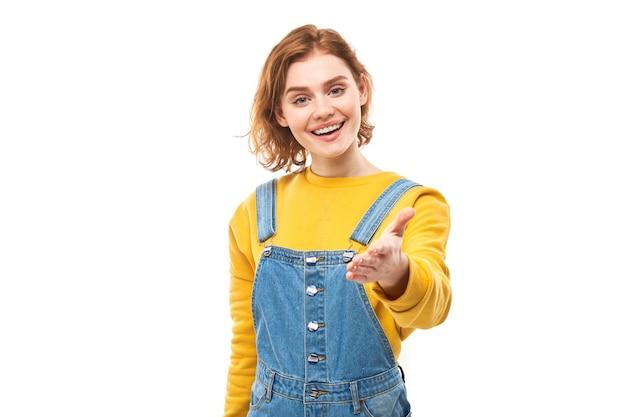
(415,291)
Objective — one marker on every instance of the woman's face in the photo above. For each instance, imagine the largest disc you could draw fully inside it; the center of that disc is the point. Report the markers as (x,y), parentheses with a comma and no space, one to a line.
(321,105)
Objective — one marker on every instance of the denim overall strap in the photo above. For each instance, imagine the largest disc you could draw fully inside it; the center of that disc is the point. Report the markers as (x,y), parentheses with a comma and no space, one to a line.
(377,212)
(266,210)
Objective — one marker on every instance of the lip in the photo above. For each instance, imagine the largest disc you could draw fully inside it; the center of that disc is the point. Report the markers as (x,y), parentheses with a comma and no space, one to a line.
(329,137)
(326,126)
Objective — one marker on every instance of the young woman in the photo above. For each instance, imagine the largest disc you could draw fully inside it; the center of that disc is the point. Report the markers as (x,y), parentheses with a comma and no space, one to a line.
(335,262)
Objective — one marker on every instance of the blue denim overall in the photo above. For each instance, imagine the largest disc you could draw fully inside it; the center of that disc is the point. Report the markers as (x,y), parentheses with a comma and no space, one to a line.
(321,349)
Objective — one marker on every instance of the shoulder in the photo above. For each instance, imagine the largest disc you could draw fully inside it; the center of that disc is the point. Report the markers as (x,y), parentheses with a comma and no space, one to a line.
(423,195)
(247,207)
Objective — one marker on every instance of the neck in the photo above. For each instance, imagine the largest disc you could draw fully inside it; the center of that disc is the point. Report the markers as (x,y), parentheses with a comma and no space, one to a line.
(344,167)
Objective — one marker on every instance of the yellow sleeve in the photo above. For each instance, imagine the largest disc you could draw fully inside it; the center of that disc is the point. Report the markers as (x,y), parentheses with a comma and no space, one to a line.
(241,371)
(428,296)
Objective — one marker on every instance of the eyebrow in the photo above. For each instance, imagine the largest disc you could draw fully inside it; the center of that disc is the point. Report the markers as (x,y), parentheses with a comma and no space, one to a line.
(326,84)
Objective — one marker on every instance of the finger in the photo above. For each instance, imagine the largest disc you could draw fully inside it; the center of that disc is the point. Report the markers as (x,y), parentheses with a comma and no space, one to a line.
(356,267)
(359,271)
(361,278)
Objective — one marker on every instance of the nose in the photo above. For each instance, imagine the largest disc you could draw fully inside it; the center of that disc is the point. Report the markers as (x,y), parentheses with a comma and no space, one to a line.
(323,108)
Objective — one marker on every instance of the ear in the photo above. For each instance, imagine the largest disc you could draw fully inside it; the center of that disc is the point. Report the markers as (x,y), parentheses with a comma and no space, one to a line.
(363,92)
(280,118)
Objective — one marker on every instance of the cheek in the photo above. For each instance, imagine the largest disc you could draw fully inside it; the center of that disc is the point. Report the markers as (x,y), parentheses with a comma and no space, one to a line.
(352,106)
(301,139)
(296,120)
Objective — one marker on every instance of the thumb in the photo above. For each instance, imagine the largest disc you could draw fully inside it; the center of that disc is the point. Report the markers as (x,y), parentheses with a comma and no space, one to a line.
(398,225)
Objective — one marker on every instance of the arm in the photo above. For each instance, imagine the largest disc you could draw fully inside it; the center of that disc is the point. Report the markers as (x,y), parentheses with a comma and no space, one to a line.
(407,263)
(241,371)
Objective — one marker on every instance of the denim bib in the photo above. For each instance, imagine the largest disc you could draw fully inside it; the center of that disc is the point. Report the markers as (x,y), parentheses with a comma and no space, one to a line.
(321,349)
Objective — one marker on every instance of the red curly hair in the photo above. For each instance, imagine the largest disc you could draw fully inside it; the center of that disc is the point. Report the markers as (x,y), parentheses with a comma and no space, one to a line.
(275,146)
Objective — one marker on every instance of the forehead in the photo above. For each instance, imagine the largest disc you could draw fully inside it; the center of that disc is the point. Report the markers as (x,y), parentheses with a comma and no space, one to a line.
(316,69)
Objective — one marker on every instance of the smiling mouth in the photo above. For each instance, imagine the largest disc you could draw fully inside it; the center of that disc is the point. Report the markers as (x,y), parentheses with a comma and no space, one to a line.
(327,130)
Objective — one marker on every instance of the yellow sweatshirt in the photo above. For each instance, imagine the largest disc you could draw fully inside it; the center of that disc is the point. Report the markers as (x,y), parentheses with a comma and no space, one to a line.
(319,213)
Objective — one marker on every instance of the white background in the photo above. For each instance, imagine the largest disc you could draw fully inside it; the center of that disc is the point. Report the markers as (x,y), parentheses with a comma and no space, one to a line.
(120,166)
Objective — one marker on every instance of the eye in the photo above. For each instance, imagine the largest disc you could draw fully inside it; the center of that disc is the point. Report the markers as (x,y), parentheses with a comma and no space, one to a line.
(337,91)
(299,100)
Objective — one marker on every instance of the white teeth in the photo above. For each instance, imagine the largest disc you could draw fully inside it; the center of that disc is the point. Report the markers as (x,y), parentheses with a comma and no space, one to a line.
(327,129)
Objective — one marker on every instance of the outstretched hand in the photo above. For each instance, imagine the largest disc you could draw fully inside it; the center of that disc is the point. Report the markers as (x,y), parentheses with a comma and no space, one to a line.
(383,261)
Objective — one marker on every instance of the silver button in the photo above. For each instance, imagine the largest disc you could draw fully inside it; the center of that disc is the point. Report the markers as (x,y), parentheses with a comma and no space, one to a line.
(314,392)
(313,326)
(311,290)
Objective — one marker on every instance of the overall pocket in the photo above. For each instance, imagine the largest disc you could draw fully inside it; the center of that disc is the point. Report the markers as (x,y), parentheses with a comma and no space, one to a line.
(392,403)
(258,394)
